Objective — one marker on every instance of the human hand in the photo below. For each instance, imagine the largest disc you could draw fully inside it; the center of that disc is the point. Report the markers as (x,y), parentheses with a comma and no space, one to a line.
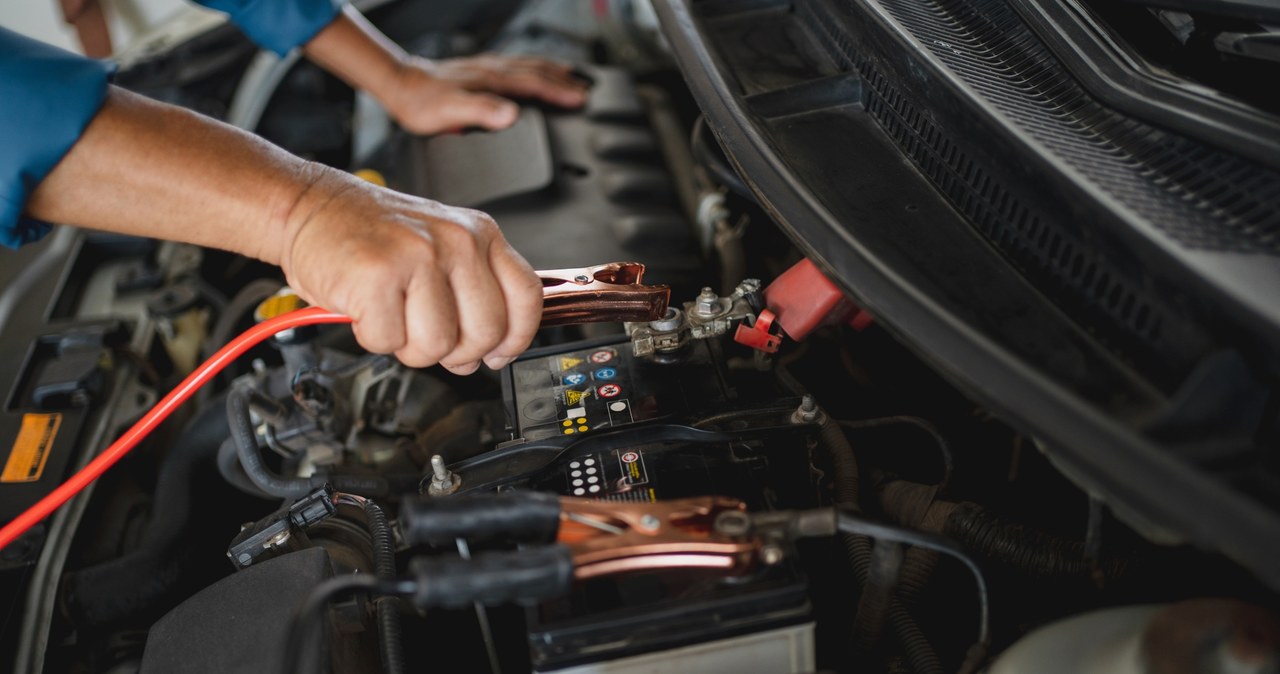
(434,96)
(428,282)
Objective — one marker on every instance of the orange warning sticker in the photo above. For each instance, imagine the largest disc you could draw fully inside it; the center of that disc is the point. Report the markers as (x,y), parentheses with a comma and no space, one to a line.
(31,449)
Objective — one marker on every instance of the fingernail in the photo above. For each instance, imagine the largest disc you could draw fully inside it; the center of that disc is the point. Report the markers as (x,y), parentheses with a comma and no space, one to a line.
(462,370)
(498,362)
(506,113)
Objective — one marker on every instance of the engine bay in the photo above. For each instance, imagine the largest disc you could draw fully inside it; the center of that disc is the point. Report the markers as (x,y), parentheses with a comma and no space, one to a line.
(702,492)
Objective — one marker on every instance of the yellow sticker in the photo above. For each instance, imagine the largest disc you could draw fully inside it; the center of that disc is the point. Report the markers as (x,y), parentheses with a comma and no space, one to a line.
(567,363)
(572,398)
(31,449)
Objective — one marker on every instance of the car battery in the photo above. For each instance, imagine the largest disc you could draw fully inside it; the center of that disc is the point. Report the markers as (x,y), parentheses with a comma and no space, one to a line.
(663,620)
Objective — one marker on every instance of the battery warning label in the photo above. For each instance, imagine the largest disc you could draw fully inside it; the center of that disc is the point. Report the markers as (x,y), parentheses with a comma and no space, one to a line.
(633,469)
(31,449)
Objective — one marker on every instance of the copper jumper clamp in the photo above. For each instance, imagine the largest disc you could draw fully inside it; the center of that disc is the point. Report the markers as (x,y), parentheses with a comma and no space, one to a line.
(708,532)
(604,292)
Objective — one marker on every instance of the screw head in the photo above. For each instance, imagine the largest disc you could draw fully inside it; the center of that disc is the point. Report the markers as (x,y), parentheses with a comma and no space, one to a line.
(244,559)
(650,522)
(582,278)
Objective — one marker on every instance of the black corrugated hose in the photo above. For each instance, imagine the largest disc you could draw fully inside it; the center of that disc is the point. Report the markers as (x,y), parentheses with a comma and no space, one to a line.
(844,464)
(391,638)
(1035,553)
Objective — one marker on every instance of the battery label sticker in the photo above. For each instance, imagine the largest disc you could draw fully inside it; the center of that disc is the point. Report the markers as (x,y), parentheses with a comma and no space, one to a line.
(610,391)
(31,449)
(603,356)
(574,379)
(620,412)
(605,373)
(569,362)
(574,398)
(633,470)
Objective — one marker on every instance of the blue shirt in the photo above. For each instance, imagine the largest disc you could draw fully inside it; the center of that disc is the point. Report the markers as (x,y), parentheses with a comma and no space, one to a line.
(48,96)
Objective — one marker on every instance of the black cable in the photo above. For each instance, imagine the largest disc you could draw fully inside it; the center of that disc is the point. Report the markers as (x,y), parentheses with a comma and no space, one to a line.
(944,448)
(390,636)
(313,606)
(849,523)
(844,463)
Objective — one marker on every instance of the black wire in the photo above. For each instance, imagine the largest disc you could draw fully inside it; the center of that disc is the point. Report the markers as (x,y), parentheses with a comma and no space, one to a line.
(944,448)
(311,609)
(391,638)
(850,523)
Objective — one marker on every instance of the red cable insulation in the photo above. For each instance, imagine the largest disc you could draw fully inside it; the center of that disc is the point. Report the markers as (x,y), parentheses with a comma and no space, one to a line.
(198,378)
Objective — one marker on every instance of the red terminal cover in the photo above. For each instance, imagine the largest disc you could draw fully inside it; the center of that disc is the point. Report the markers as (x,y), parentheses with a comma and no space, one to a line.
(804,300)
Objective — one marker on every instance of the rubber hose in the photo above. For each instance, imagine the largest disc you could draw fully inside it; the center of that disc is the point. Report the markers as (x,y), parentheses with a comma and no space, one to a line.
(143,580)
(1035,553)
(390,636)
(844,464)
(231,470)
(251,456)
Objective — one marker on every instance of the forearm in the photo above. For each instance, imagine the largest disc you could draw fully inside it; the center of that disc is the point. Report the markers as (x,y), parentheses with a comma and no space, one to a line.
(155,170)
(359,54)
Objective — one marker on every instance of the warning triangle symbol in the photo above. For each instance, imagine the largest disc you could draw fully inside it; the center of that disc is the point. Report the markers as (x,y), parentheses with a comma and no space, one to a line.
(568,363)
(572,398)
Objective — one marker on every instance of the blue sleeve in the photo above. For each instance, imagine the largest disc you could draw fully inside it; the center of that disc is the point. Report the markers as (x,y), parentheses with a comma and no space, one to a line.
(47,97)
(278,25)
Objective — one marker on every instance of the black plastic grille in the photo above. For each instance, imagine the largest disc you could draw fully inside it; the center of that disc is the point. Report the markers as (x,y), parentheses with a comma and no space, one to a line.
(1200,197)
(1027,237)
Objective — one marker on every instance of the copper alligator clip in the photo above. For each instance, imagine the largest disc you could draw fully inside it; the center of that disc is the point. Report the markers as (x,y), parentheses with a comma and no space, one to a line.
(605,292)
(609,537)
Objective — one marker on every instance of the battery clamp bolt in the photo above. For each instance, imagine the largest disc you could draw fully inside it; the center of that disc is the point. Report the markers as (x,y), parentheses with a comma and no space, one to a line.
(650,522)
(808,412)
(708,303)
(443,480)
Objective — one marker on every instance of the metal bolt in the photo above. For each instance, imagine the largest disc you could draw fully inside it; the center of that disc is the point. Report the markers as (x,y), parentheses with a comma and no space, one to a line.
(245,559)
(808,411)
(443,480)
(649,522)
(708,303)
(582,279)
(438,468)
(771,555)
